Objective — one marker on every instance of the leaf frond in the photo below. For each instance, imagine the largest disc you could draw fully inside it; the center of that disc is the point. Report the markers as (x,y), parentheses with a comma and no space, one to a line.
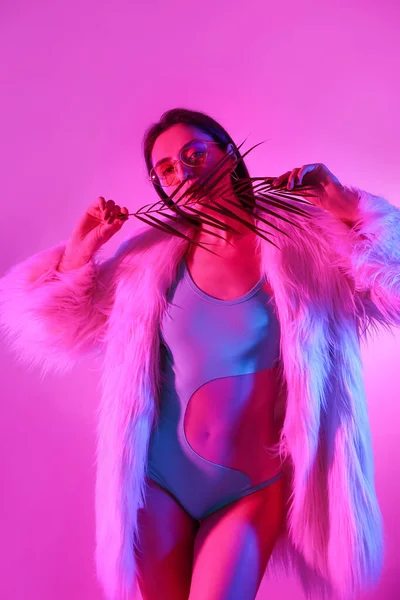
(254,194)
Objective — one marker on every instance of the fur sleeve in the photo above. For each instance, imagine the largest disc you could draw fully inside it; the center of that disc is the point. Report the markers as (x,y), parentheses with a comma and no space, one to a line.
(373,260)
(51,319)
(368,252)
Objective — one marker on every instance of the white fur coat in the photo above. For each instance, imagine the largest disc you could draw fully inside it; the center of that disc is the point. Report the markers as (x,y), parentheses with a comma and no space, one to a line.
(333,284)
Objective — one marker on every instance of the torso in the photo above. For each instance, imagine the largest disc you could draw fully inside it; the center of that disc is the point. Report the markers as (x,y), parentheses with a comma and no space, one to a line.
(228,276)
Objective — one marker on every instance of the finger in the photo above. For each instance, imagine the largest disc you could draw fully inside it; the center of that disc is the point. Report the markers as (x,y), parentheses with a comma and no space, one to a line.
(101,202)
(119,215)
(292,178)
(114,212)
(281,179)
(118,221)
(109,205)
(304,169)
(123,214)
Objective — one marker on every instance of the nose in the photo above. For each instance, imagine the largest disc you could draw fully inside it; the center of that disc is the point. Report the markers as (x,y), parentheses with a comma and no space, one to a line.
(182,171)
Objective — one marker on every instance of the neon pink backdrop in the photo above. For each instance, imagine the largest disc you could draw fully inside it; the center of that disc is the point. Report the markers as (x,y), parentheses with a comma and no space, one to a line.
(80,83)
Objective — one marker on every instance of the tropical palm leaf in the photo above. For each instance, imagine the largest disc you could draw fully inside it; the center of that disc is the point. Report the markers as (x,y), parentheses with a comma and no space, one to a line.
(254,193)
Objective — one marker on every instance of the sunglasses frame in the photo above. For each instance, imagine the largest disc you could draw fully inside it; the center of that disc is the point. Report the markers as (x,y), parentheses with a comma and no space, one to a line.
(158,182)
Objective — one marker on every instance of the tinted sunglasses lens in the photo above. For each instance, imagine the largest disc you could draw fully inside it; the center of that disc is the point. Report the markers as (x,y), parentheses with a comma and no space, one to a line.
(195,154)
(163,175)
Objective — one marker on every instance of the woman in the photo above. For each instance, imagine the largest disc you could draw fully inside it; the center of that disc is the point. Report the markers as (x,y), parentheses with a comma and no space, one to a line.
(201,352)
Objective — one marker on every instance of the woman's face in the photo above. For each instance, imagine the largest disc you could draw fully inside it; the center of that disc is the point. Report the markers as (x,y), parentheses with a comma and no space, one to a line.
(168,146)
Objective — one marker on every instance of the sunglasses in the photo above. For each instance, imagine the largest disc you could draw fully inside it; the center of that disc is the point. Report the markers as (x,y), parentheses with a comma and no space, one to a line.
(193,155)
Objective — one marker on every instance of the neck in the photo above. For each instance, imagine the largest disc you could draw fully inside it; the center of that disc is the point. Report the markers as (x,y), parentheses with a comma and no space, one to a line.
(240,236)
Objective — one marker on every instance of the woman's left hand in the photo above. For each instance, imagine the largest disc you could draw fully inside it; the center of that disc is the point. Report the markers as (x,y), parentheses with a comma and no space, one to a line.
(327,191)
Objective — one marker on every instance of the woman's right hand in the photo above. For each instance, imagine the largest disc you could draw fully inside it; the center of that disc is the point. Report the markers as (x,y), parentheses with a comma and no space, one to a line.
(99,223)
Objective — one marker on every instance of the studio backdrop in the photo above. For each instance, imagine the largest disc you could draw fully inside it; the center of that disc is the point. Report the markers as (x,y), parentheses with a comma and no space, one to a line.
(80,84)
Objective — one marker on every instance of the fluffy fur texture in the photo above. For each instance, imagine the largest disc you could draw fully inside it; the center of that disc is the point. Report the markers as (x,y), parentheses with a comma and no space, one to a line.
(333,285)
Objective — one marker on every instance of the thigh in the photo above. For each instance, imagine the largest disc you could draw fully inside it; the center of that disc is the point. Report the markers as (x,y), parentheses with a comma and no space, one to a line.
(233,545)
(166,539)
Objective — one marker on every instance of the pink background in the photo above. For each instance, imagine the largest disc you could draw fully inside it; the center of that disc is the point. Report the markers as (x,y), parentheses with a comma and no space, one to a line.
(80,82)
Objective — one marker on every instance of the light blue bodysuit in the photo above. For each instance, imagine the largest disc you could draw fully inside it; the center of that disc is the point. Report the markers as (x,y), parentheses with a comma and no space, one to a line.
(210,349)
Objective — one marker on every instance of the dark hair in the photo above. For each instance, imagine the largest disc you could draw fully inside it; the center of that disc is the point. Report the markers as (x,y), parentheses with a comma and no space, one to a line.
(207,124)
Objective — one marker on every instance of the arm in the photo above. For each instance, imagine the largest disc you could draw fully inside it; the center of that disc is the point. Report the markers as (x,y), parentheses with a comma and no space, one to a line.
(51,318)
(374,257)
(367,249)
